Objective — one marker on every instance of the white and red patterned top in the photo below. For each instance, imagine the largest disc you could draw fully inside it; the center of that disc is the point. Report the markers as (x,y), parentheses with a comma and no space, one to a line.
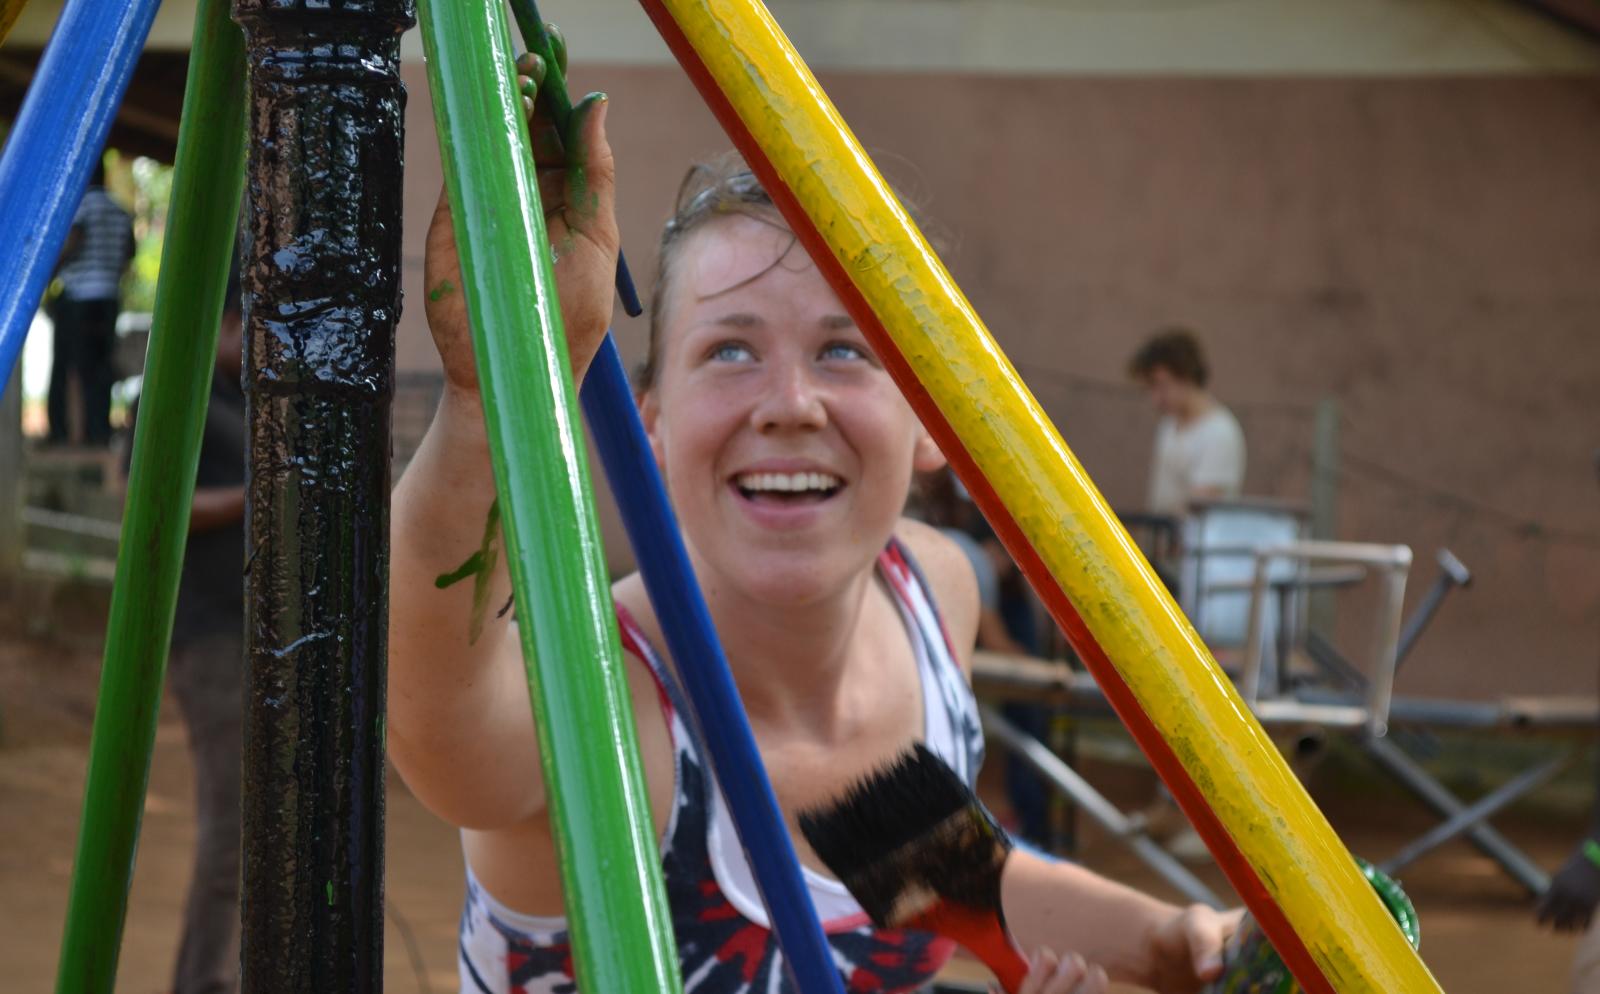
(724,939)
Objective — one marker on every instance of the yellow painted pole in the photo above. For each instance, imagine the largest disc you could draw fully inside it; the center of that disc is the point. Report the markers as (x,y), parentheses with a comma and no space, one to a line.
(1278,849)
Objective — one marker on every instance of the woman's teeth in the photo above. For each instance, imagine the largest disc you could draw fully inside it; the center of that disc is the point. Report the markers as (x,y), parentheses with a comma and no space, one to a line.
(787,483)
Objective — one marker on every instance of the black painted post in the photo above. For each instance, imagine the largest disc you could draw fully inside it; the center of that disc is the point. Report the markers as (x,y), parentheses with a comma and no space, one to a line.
(321,292)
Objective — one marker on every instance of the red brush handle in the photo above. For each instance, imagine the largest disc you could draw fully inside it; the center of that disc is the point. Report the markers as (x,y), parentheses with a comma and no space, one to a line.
(984,936)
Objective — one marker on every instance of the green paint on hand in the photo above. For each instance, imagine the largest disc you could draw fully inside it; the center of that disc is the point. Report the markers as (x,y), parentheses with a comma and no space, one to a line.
(567,247)
(444,289)
(579,196)
(330,893)
(480,566)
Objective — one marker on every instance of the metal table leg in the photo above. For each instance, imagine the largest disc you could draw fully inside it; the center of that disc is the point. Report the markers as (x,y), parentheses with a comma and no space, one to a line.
(1475,813)
(1488,841)
(1095,805)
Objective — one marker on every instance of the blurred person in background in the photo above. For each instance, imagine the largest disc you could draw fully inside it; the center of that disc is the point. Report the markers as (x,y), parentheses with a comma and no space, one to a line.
(1199,449)
(1199,454)
(97,252)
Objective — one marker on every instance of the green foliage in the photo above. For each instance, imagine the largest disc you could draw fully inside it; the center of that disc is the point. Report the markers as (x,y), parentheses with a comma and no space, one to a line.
(151,191)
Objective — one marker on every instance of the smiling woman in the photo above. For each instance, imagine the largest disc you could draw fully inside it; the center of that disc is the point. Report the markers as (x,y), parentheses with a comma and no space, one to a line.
(788,453)
(782,439)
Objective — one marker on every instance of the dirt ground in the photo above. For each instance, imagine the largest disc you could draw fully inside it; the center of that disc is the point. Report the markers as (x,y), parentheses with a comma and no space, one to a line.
(1478,935)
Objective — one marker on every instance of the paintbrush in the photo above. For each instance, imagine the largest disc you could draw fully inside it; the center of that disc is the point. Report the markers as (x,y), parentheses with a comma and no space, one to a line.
(917,849)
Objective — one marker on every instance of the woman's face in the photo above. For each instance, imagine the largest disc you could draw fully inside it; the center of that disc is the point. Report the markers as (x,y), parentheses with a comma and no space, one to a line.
(786,447)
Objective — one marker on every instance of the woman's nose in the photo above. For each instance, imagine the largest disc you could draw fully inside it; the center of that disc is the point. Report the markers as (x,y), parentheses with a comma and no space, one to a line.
(792,398)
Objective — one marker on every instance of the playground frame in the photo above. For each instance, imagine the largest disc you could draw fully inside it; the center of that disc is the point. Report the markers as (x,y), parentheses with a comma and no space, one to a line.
(1277,849)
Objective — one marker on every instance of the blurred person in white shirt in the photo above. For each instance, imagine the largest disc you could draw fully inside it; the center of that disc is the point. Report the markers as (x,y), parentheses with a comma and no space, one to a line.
(1199,450)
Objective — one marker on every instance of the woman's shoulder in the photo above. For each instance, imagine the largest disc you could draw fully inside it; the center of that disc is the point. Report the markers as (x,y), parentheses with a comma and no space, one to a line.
(641,630)
(628,593)
(952,583)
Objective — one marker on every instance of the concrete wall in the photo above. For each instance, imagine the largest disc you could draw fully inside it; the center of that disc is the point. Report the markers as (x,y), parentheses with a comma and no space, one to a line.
(1426,250)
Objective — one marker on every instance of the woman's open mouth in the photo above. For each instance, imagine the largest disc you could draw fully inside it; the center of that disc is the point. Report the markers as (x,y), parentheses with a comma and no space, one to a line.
(785,489)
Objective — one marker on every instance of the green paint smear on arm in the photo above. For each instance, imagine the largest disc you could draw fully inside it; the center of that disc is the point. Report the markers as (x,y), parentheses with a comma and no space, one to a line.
(330,893)
(444,288)
(480,566)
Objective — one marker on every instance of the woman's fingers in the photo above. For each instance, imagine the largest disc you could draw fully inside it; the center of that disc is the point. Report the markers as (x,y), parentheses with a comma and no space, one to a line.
(1096,983)
(530,76)
(1041,967)
(591,173)
(532,66)
(558,46)
(546,139)
(1206,932)
(575,170)
(1070,974)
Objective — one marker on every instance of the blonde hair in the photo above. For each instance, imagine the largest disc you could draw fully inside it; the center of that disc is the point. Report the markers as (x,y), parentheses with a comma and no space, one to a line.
(717,188)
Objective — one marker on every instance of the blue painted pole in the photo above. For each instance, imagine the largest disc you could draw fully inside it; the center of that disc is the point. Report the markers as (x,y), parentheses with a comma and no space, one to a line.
(714,703)
(58,134)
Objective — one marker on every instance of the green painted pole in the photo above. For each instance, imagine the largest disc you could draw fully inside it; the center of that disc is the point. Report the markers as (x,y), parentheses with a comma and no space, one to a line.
(610,867)
(166,450)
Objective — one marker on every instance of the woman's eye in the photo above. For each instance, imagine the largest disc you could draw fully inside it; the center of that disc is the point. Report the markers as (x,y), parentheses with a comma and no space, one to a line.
(844,350)
(731,352)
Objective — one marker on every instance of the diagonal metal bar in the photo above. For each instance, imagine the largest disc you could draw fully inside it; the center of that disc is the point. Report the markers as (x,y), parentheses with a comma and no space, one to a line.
(166,452)
(1475,813)
(1428,790)
(1095,805)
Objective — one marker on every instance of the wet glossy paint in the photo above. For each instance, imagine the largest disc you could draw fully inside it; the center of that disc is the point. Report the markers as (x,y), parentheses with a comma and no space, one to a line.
(321,296)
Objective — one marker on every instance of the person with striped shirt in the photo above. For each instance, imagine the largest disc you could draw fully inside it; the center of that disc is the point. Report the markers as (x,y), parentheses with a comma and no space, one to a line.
(98,249)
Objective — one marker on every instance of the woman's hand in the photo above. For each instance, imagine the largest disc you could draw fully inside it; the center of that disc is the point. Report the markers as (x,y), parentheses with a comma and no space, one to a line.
(1052,974)
(1185,950)
(576,188)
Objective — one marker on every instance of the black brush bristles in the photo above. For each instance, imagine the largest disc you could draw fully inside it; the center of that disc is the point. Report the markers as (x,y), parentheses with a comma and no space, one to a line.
(908,836)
